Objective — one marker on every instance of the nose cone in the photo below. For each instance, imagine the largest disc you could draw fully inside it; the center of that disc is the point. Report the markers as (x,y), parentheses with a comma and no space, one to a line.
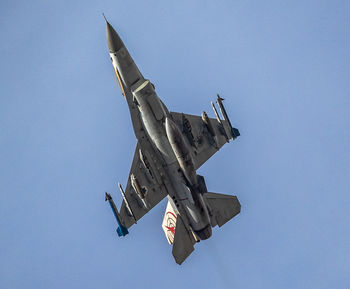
(113,40)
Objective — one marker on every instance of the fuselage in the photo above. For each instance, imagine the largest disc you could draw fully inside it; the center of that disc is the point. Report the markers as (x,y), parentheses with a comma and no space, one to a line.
(163,133)
(167,138)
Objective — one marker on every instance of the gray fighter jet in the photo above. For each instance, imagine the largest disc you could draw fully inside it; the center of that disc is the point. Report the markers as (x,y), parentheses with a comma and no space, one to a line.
(171,146)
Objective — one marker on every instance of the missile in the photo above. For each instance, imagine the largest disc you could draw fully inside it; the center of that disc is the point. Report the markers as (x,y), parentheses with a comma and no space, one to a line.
(127,203)
(222,128)
(140,191)
(233,131)
(208,124)
(121,230)
(216,112)
(146,164)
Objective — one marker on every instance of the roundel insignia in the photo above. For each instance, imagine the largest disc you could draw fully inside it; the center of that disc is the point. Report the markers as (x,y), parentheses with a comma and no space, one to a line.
(170,219)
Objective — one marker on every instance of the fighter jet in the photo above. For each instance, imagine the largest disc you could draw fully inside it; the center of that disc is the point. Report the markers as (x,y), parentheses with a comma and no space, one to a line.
(170,148)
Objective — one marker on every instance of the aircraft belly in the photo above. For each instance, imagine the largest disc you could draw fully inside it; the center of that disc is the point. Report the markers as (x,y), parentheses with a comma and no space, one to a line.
(158,138)
(195,215)
(164,138)
(197,220)
(184,201)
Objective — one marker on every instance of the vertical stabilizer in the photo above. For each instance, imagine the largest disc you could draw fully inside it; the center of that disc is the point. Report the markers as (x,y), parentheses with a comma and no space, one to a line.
(169,223)
(183,242)
(177,234)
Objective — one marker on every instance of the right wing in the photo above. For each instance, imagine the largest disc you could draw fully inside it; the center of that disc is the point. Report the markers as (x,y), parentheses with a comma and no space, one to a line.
(144,189)
(205,135)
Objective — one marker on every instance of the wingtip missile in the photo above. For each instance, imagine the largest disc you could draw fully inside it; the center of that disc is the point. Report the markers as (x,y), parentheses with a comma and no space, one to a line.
(233,132)
(107,197)
(121,230)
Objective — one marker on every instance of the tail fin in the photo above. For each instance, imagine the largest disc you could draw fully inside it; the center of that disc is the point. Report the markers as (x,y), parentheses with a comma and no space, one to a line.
(222,208)
(169,223)
(178,235)
(183,242)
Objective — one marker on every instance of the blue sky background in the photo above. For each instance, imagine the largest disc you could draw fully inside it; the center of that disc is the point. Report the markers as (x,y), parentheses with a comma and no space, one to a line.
(66,138)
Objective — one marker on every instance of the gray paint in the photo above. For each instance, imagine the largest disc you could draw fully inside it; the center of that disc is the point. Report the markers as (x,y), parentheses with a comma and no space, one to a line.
(170,148)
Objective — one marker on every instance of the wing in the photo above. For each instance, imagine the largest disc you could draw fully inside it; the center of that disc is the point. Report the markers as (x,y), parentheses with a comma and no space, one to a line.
(206,135)
(204,143)
(144,189)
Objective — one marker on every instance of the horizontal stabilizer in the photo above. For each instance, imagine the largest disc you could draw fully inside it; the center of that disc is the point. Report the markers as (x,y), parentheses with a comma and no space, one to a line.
(183,242)
(222,208)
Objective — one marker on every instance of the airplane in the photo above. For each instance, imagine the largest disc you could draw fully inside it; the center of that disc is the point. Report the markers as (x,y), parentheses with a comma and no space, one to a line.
(170,148)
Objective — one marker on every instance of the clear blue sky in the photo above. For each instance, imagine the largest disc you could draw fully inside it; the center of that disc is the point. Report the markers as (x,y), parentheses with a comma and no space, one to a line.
(66,138)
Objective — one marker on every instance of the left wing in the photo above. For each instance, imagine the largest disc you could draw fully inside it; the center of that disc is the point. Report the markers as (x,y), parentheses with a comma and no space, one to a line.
(143,190)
